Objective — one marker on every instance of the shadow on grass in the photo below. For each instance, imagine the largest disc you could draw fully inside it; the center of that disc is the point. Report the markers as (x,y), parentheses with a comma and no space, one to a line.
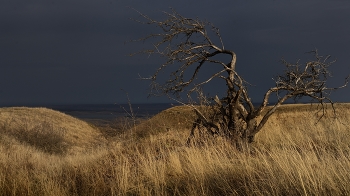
(43,136)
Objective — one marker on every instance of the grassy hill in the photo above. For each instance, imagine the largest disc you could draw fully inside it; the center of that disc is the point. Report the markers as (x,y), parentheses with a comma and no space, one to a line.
(45,152)
(47,130)
(287,118)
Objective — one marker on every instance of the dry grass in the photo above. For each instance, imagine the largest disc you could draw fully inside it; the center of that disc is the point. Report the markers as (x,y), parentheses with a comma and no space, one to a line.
(48,130)
(292,156)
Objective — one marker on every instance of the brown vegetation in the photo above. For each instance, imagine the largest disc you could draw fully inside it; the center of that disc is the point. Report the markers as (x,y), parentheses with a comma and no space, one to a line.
(48,130)
(292,155)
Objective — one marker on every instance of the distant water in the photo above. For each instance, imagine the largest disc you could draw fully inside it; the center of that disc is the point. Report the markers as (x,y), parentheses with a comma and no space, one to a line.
(110,111)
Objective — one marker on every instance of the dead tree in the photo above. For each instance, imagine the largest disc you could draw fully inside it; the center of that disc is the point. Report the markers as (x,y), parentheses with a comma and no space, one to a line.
(189,45)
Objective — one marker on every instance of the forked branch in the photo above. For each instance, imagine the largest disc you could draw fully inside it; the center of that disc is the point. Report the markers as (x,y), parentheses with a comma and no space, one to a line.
(191,45)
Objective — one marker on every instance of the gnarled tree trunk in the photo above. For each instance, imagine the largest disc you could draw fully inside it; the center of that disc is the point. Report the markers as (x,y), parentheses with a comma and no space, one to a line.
(188,47)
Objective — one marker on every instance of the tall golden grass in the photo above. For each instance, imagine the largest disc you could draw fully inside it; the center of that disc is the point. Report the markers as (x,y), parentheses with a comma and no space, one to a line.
(295,154)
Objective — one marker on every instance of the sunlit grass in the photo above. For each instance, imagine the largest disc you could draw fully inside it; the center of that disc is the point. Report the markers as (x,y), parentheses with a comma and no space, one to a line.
(291,156)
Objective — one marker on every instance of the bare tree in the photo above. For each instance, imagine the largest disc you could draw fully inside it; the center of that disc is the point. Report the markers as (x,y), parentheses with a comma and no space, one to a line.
(188,45)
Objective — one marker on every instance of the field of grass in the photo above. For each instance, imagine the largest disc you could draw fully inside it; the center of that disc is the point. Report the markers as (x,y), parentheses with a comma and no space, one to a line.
(45,152)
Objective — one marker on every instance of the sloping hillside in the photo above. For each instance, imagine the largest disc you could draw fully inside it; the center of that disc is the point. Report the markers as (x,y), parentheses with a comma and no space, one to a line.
(287,118)
(48,130)
(306,119)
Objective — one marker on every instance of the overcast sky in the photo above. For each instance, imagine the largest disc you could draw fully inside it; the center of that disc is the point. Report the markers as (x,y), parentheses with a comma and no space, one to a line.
(74,51)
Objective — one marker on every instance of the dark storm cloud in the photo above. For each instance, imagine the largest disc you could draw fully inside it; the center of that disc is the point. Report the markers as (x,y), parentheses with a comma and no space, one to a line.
(75,51)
